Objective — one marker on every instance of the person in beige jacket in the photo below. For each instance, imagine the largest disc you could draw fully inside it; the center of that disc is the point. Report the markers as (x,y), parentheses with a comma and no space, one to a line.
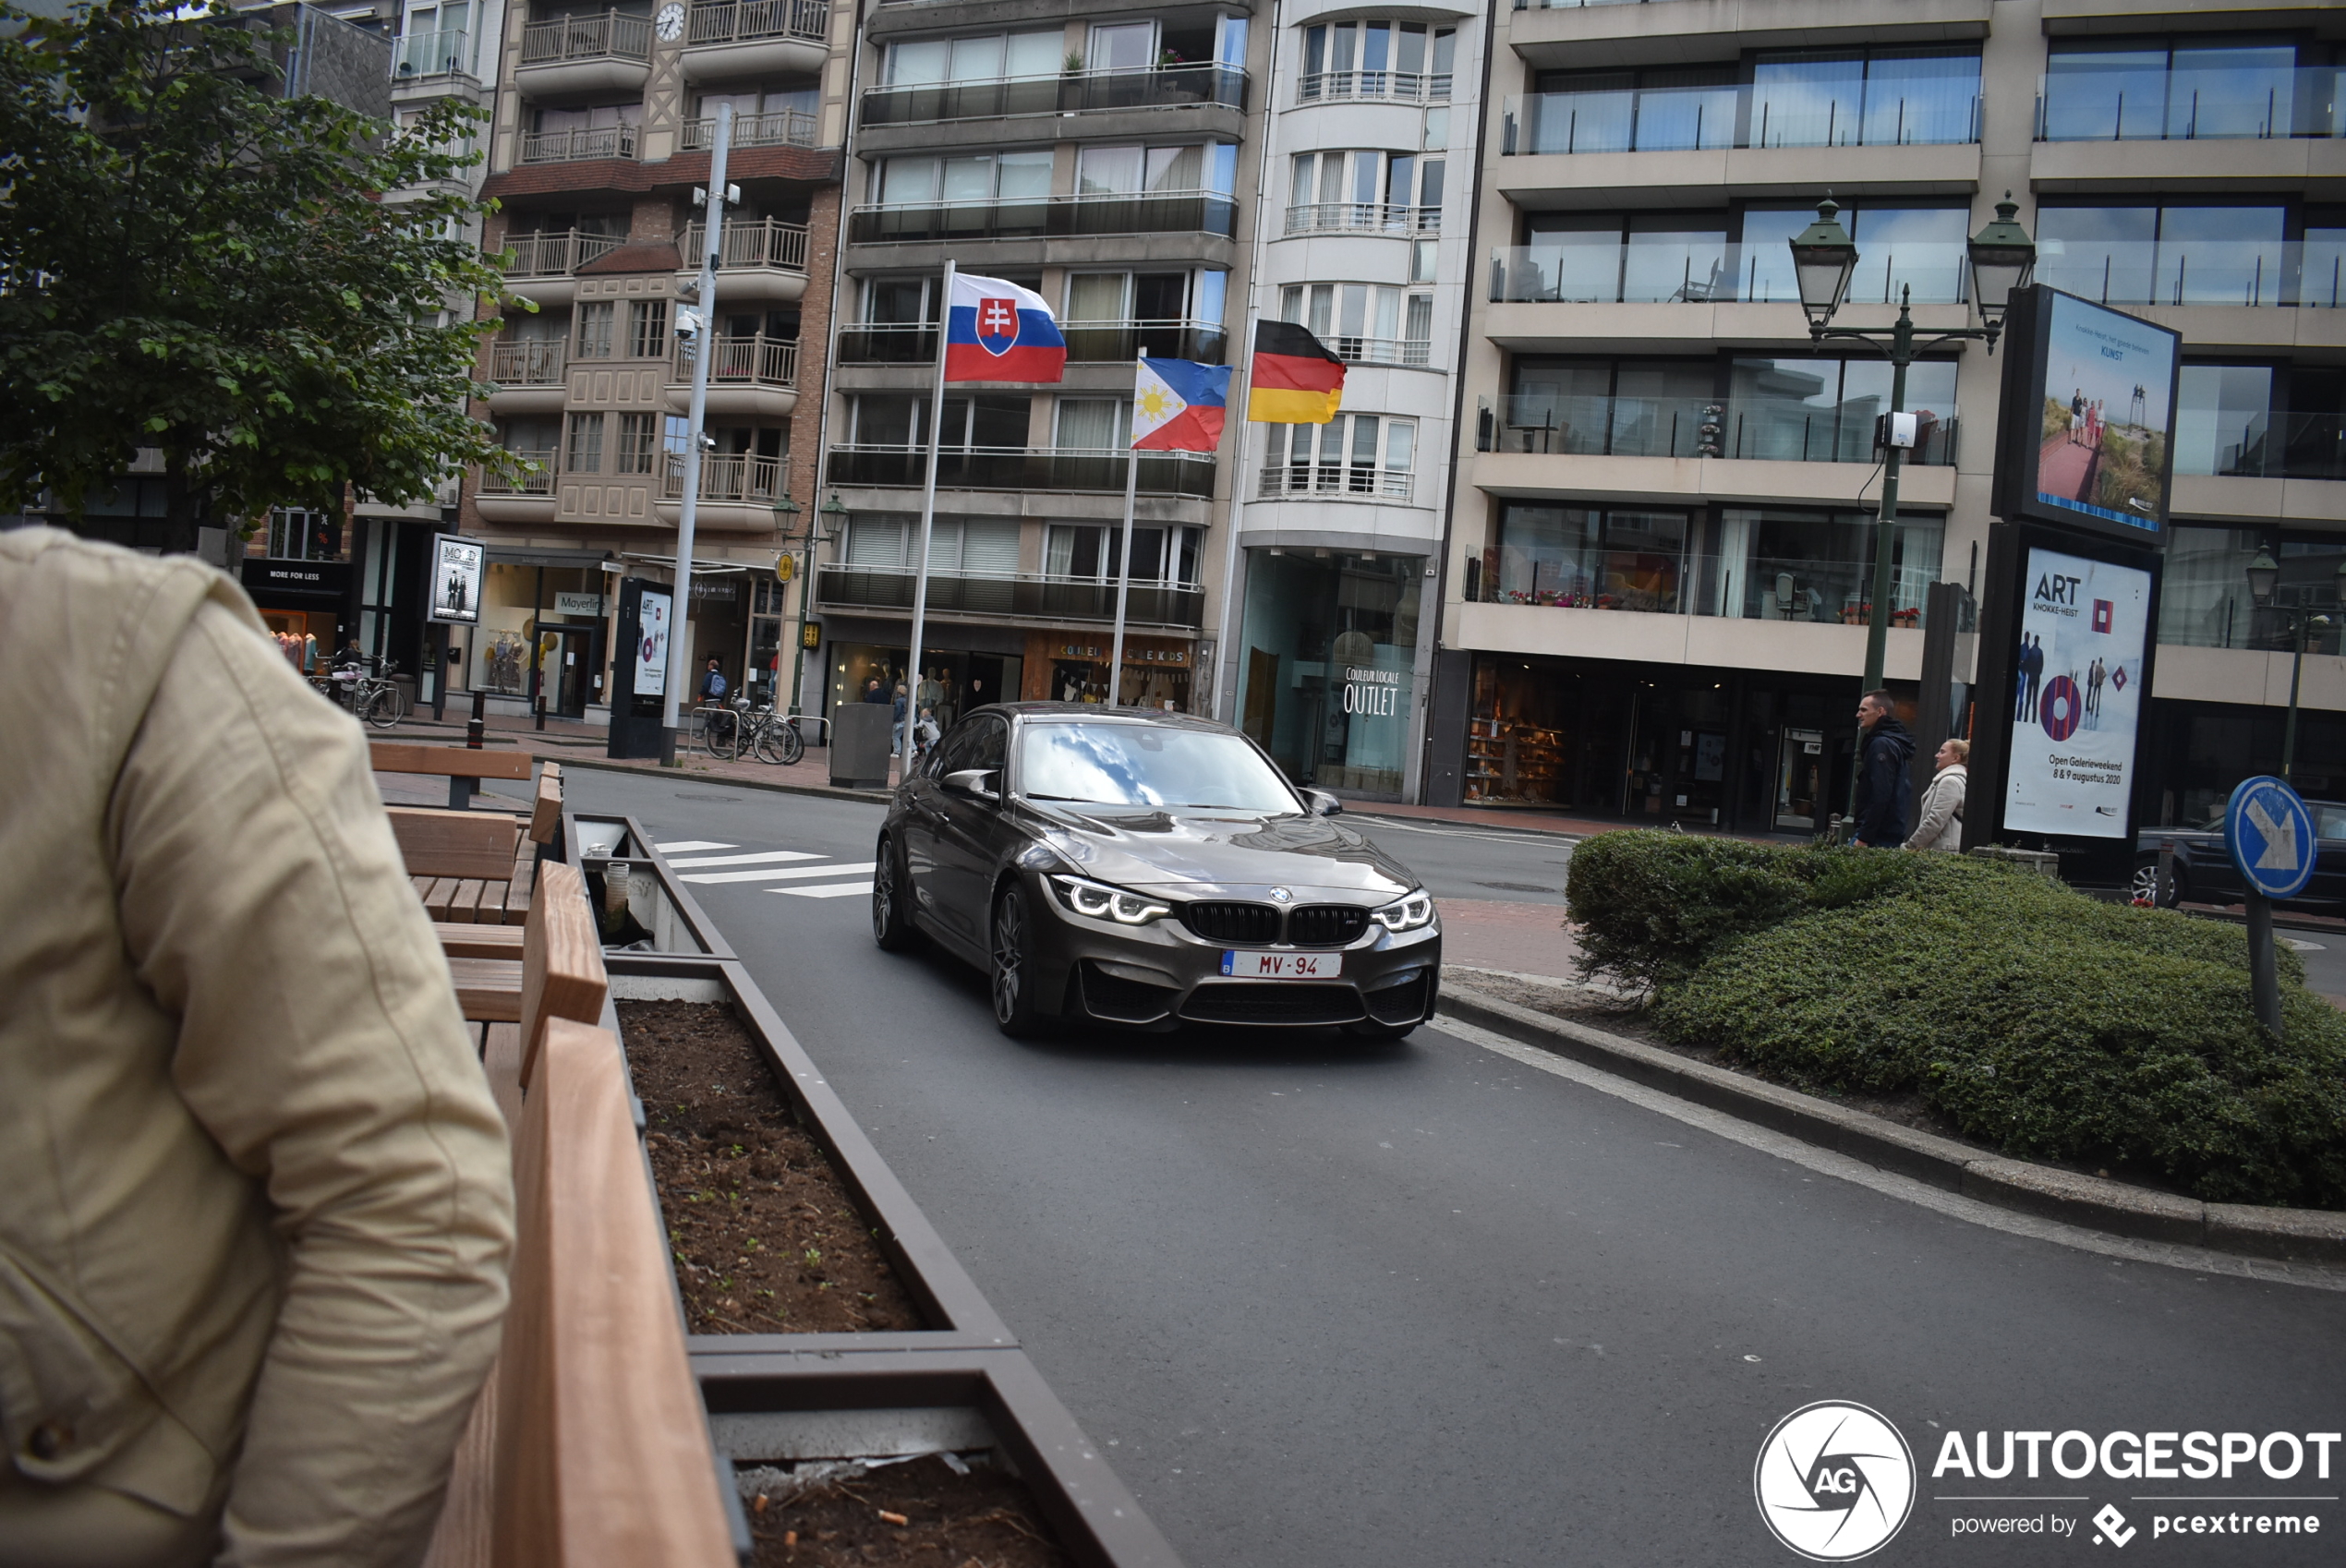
(1940,826)
(255,1199)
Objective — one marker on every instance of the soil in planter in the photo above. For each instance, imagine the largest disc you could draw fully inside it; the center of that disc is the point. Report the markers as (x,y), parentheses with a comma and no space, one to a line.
(766,1238)
(920,1512)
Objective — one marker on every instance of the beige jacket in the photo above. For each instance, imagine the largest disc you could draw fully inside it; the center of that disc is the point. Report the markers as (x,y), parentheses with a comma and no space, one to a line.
(255,1199)
(1939,825)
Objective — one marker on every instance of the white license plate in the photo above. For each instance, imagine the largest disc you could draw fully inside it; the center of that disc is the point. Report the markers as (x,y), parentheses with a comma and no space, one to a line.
(1243,965)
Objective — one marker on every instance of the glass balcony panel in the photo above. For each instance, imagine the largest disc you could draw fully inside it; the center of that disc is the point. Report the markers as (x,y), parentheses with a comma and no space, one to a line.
(1168,213)
(446,52)
(1787,114)
(1662,265)
(2221,256)
(2205,95)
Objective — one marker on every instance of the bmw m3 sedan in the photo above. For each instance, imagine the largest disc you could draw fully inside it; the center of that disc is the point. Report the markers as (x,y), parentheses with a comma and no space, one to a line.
(1127,868)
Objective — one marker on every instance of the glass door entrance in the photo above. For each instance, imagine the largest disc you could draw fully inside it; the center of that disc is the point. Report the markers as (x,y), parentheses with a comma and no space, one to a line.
(1800,778)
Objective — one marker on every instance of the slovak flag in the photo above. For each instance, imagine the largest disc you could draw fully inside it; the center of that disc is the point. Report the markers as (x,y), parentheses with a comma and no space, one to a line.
(1178,406)
(998,331)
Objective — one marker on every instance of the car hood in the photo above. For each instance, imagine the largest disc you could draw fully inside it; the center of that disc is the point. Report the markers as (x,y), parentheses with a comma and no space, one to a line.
(1209,853)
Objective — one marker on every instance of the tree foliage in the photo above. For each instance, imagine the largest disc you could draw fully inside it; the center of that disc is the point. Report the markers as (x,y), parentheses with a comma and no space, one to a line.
(274,292)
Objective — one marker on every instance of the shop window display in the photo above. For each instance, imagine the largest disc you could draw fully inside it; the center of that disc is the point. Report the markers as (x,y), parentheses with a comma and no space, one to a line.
(1327,685)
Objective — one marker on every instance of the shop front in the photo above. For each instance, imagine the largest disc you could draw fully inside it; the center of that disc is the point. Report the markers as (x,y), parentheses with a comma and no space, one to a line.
(543,620)
(1071,667)
(305,604)
(963,667)
(1328,656)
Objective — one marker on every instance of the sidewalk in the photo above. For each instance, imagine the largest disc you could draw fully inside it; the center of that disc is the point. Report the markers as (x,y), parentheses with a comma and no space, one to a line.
(1522,819)
(582,745)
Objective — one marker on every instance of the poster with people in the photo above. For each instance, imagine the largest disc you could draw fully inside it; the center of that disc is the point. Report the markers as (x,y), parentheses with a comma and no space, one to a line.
(456,580)
(2102,448)
(2077,696)
(651,643)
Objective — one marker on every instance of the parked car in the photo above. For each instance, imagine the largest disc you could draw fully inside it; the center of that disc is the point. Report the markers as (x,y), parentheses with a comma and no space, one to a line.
(1145,870)
(2204,873)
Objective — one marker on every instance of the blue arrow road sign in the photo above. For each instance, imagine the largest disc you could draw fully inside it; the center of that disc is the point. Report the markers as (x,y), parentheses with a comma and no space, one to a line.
(2269,835)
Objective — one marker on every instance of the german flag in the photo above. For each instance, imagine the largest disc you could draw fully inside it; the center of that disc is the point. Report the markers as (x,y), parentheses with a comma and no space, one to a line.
(1296,379)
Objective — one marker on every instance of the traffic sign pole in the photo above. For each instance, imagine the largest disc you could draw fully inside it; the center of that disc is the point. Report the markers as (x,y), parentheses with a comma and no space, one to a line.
(2264,969)
(2270,837)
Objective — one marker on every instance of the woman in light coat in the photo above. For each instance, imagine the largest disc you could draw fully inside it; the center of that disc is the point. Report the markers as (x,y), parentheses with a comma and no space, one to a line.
(1940,826)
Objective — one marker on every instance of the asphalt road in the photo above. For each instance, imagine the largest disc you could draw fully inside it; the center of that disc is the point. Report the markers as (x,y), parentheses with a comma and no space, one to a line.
(1427,1305)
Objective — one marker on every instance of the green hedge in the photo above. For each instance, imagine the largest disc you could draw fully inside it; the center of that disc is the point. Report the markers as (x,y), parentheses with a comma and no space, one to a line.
(2031,1017)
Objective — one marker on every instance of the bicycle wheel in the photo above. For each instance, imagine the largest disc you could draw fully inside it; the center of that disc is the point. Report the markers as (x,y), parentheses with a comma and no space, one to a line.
(723,733)
(793,744)
(382,708)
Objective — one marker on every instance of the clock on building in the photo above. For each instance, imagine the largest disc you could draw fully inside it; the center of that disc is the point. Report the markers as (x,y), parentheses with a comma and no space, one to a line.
(670,23)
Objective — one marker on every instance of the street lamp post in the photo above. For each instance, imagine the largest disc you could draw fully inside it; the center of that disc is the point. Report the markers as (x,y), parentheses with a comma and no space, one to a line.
(2264,575)
(2001,257)
(827,517)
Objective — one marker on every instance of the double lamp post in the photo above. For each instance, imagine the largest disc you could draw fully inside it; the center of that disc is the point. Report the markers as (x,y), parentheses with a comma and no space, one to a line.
(2264,575)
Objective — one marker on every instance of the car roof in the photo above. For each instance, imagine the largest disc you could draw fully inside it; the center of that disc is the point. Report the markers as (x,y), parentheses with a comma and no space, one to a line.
(1099,713)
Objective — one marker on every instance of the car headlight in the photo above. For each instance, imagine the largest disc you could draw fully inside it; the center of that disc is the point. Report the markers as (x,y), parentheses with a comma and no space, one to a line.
(1410,913)
(1100,901)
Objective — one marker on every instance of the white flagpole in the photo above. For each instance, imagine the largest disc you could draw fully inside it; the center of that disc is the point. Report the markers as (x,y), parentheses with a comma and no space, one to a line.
(1124,566)
(1245,380)
(680,620)
(928,524)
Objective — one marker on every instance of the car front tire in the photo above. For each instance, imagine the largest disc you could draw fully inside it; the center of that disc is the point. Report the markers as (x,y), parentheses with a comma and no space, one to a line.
(1011,970)
(891,902)
(2145,883)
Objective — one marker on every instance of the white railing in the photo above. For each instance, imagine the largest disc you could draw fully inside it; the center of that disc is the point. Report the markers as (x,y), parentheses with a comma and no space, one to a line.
(527,364)
(556,254)
(733,475)
(570,146)
(1415,353)
(751,361)
(1398,87)
(586,38)
(538,481)
(1357,217)
(447,53)
(1363,481)
(742,21)
(784,127)
(760,242)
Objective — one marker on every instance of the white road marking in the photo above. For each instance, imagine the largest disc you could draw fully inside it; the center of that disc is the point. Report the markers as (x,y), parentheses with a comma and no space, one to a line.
(779,874)
(761,858)
(1362,822)
(842,891)
(2199,1259)
(687,846)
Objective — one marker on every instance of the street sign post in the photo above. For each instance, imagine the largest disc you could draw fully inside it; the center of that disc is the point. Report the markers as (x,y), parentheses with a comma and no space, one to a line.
(2269,835)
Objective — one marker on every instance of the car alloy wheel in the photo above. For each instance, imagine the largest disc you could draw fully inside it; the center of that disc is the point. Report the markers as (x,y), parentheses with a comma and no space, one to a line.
(1013,995)
(891,922)
(2145,889)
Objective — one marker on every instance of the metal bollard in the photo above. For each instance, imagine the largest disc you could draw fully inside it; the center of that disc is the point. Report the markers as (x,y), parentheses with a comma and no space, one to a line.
(477,726)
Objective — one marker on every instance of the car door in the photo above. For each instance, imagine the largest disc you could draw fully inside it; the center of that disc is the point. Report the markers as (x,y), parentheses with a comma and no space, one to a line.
(922,821)
(2328,887)
(969,832)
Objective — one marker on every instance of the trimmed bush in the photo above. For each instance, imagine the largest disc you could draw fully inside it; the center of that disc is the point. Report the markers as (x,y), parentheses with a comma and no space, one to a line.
(2032,1018)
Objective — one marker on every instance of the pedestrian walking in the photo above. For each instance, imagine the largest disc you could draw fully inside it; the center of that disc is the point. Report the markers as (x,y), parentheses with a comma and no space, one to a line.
(873,691)
(712,683)
(1940,826)
(1885,792)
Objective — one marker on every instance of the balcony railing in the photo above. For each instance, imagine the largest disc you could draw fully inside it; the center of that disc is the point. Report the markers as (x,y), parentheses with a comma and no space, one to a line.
(1362,481)
(728,475)
(556,254)
(1023,593)
(2275,446)
(1077,92)
(888,343)
(745,21)
(447,53)
(1089,342)
(1180,211)
(527,364)
(740,362)
(784,127)
(1688,273)
(570,146)
(759,242)
(1412,353)
(2310,273)
(1022,468)
(2219,102)
(538,480)
(1681,119)
(1363,217)
(612,34)
(1752,430)
(1396,87)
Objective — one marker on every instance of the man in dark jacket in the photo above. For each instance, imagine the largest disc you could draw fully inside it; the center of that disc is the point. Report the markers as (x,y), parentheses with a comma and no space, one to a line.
(1885,793)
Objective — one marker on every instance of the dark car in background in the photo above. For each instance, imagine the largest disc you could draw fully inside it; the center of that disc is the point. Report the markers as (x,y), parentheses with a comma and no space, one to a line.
(1146,870)
(2205,873)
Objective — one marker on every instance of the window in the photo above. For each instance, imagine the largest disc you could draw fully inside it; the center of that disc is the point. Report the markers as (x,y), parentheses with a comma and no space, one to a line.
(595,330)
(1363,455)
(1787,565)
(1129,171)
(1811,410)
(2193,89)
(648,328)
(972,546)
(1591,559)
(983,419)
(636,434)
(1365,189)
(1364,322)
(1090,552)
(2262,420)
(2206,255)
(1093,424)
(1122,46)
(1400,60)
(1898,247)
(971,177)
(1871,98)
(1605,407)
(295,534)
(1609,257)
(586,454)
(763,116)
(990,57)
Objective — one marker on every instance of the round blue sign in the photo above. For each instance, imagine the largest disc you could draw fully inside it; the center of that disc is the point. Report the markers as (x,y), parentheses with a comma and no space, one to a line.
(2269,835)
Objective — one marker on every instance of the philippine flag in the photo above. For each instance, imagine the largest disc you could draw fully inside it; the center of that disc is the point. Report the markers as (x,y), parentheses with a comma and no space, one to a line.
(998,331)
(1178,406)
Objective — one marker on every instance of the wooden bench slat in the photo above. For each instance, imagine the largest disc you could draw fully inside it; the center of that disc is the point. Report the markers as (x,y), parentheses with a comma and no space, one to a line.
(563,973)
(459,844)
(546,813)
(463,907)
(436,897)
(488,989)
(448,762)
(479,941)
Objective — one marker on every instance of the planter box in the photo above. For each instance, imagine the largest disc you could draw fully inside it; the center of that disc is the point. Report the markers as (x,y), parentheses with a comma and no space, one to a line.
(661,913)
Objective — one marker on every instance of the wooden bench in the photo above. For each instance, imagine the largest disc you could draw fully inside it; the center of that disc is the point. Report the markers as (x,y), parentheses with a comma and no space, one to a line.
(461,766)
(479,867)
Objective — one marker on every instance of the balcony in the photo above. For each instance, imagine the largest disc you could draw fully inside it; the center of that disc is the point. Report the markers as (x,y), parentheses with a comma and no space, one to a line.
(755,376)
(1742,429)
(423,56)
(570,146)
(2220,103)
(530,376)
(2310,273)
(1047,217)
(1022,468)
(1352,481)
(1690,119)
(1088,343)
(1716,272)
(2272,446)
(606,53)
(557,254)
(1078,92)
(1410,353)
(785,127)
(1400,219)
(737,490)
(1376,87)
(758,259)
(527,498)
(1025,596)
(888,343)
(732,38)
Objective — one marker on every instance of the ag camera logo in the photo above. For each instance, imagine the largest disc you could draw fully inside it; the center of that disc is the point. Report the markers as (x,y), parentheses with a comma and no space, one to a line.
(1834,1481)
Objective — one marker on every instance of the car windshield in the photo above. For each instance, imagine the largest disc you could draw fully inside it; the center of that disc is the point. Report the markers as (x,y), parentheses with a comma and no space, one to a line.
(1145,765)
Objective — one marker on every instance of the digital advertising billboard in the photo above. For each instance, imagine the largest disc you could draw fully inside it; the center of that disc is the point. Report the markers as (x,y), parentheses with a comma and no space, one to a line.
(2087,432)
(456,580)
(2077,696)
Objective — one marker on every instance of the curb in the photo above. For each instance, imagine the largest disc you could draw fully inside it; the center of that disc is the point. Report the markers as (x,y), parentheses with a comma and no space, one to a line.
(821,791)
(2299,1236)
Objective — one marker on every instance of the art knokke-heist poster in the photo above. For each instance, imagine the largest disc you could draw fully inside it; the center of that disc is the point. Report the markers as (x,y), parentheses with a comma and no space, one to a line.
(2077,696)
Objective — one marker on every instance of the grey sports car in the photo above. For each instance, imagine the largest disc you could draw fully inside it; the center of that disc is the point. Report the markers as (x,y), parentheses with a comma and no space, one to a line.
(1144,870)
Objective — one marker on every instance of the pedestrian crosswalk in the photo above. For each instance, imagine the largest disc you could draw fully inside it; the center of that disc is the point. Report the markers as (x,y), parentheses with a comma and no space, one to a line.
(802,873)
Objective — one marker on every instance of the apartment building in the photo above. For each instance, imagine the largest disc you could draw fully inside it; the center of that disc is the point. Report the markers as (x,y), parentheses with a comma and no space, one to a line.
(604,120)
(1104,153)
(1661,550)
(1372,122)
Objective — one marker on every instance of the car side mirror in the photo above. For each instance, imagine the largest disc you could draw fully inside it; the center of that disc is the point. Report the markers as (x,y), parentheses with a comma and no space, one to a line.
(977,782)
(1324,804)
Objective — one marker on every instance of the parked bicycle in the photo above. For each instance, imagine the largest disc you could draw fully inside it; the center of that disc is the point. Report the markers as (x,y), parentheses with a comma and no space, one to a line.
(377,700)
(747,728)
